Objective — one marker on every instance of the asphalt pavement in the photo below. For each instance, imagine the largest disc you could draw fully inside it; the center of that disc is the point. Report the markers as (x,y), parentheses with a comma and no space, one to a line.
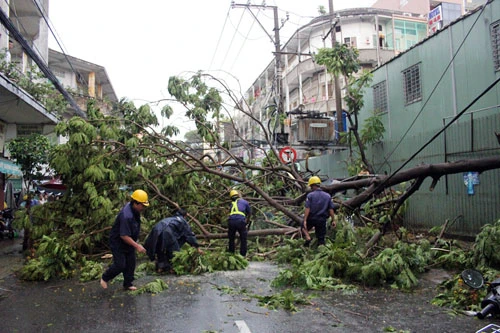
(216,302)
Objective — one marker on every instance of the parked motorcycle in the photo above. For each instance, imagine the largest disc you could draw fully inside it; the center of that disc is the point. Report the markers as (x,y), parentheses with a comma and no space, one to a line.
(6,219)
(491,303)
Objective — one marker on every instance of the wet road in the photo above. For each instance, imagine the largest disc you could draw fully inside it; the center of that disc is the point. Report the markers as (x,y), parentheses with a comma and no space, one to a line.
(196,304)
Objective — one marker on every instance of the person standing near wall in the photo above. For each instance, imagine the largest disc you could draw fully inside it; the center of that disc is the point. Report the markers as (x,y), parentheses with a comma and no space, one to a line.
(239,217)
(123,240)
(319,206)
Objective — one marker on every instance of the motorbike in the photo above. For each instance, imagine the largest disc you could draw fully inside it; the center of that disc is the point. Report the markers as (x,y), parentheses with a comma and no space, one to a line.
(6,219)
(491,303)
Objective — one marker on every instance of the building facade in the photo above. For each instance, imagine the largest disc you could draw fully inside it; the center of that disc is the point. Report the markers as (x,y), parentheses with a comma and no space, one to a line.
(24,47)
(440,99)
(308,102)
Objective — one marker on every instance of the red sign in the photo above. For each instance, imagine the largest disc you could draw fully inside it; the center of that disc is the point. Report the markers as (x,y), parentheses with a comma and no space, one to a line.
(288,155)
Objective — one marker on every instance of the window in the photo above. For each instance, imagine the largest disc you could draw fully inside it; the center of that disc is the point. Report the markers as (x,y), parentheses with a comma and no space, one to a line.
(350,41)
(380,97)
(495,44)
(412,86)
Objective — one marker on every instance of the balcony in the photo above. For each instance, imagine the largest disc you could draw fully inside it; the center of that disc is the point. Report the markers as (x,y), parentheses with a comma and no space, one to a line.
(306,69)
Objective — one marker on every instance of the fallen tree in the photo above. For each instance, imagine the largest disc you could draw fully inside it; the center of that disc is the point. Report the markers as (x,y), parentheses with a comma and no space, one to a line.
(106,156)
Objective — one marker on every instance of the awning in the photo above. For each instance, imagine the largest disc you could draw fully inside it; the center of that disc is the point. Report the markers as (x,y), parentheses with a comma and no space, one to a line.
(9,167)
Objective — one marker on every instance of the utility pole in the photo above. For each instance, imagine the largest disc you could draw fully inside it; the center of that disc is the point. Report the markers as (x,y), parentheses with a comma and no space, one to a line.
(338,95)
(277,61)
(277,54)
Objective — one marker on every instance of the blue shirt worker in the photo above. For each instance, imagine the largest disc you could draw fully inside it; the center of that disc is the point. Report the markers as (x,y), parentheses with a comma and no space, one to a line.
(123,240)
(239,217)
(319,207)
(167,237)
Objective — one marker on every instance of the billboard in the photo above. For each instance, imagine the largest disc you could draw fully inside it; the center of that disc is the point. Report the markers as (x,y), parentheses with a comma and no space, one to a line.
(435,19)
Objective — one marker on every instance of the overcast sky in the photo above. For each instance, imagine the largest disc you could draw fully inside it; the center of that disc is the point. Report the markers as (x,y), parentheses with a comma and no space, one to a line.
(142,43)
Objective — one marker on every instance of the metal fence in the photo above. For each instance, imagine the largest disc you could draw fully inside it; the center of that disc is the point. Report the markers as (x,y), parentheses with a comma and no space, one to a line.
(473,137)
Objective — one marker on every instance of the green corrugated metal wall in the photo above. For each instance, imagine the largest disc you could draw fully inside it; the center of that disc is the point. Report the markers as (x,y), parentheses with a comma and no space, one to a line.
(455,69)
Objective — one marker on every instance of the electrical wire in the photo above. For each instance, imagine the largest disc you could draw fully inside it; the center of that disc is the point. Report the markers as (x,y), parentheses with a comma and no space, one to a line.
(434,90)
(439,132)
(55,35)
(220,37)
(232,39)
(20,27)
(243,44)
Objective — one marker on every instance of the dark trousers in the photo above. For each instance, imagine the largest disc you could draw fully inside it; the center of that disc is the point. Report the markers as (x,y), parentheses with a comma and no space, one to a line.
(123,262)
(164,258)
(319,228)
(239,226)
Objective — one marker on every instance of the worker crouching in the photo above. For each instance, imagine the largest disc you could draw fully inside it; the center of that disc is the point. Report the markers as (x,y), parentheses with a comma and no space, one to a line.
(167,237)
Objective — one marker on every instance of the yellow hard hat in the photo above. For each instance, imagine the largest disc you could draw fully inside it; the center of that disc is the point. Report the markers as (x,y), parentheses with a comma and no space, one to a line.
(140,196)
(314,180)
(233,193)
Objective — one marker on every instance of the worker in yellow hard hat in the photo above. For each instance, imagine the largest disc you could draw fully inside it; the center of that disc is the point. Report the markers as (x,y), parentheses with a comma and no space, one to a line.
(319,206)
(123,240)
(239,218)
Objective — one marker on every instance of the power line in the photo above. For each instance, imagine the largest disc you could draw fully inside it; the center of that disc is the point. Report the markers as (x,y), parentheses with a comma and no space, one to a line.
(243,44)
(49,25)
(4,19)
(220,37)
(434,89)
(440,131)
(13,10)
(232,39)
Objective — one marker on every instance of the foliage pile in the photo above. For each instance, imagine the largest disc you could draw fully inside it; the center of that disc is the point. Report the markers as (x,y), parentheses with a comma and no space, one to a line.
(458,296)
(91,270)
(287,299)
(53,259)
(484,257)
(486,251)
(105,158)
(153,287)
(189,261)
(343,260)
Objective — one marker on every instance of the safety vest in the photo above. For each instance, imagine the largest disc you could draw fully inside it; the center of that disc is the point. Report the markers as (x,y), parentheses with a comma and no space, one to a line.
(235,210)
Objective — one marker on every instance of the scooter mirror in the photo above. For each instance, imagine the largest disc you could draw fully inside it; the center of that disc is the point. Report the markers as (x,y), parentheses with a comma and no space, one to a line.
(472,278)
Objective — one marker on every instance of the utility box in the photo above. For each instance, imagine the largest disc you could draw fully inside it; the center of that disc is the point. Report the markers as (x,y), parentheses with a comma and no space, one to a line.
(315,130)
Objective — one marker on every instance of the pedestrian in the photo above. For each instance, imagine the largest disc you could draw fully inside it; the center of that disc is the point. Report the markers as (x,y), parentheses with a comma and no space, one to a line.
(167,237)
(28,203)
(319,206)
(123,240)
(239,218)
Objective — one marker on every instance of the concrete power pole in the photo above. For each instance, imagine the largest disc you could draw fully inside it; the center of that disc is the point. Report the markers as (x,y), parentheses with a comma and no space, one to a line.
(277,53)
(338,95)
(277,57)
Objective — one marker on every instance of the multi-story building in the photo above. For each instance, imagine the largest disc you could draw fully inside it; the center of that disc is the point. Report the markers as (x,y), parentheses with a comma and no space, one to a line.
(24,45)
(307,91)
(439,102)
(83,80)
